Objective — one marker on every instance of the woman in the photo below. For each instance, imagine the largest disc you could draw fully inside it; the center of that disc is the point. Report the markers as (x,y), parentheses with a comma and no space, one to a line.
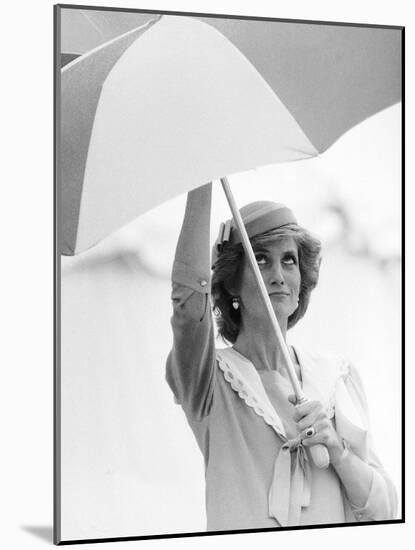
(238,401)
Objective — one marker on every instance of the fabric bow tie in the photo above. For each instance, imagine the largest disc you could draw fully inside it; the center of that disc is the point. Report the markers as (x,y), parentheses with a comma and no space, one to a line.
(291,483)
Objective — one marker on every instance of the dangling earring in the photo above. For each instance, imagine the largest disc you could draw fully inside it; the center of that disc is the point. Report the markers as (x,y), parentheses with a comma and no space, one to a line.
(235,302)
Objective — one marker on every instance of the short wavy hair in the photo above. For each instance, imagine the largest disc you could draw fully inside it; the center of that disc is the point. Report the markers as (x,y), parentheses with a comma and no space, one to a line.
(227,271)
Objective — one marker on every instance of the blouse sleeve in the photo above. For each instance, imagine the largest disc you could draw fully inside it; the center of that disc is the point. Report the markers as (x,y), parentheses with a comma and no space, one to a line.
(381,503)
(190,368)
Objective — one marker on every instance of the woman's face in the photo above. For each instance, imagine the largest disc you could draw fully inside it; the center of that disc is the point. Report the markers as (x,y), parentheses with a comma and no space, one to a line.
(278,263)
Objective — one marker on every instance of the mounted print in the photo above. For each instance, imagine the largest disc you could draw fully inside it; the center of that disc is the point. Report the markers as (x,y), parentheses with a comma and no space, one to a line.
(228,339)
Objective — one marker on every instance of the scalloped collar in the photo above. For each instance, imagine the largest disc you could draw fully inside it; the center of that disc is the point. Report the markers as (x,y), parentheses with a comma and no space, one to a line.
(245,380)
(322,380)
(317,383)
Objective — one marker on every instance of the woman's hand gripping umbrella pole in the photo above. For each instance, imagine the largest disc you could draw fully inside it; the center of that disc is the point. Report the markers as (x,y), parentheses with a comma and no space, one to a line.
(319,453)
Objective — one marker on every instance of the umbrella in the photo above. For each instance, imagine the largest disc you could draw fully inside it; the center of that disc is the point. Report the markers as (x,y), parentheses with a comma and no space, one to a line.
(319,85)
(159,110)
(358,87)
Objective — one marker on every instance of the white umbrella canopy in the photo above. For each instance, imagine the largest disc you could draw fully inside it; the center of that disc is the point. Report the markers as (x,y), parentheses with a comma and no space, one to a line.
(330,76)
(173,104)
(150,115)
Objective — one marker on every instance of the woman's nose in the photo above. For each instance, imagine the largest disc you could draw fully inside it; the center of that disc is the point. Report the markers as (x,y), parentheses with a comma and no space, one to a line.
(276,275)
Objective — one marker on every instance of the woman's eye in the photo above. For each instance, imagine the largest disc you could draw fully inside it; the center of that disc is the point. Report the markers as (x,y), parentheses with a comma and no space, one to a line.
(289,260)
(261,259)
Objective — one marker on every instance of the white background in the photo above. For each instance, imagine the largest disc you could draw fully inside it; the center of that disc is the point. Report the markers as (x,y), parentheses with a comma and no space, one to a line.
(27,231)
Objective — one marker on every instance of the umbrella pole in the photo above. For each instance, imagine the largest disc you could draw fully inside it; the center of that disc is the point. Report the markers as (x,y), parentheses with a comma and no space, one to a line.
(318,452)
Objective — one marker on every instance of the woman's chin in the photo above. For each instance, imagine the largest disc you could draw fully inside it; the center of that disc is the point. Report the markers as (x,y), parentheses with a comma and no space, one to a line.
(282,312)
(259,318)
(263,322)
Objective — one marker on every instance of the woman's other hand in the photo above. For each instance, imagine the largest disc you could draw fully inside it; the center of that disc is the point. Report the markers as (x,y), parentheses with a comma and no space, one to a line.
(315,427)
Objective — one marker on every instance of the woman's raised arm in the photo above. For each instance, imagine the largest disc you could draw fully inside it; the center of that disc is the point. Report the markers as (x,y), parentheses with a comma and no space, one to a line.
(190,365)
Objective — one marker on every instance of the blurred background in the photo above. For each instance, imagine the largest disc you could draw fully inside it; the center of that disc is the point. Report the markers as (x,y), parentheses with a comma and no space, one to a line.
(130,464)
